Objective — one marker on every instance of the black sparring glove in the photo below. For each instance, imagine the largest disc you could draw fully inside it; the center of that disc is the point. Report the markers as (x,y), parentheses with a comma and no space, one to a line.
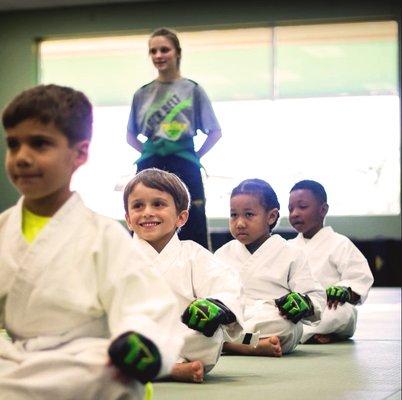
(205,315)
(135,356)
(340,294)
(295,306)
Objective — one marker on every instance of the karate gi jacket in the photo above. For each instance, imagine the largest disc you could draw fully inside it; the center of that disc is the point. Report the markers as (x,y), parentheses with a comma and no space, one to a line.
(80,281)
(336,261)
(193,272)
(272,271)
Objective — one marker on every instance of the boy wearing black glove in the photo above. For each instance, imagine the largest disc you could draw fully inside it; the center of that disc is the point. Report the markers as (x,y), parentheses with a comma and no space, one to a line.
(70,278)
(208,293)
(334,260)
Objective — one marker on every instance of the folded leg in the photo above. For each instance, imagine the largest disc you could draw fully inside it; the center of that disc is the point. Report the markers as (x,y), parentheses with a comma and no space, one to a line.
(340,322)
(57,374)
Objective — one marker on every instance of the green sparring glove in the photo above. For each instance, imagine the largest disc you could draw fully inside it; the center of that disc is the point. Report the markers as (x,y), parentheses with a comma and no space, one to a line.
(205,315)
(135,356)
(295,306)
(341,294)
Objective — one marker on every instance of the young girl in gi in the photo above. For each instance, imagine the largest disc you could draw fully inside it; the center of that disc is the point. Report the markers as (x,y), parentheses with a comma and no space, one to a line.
(335,261)
(280,293)
(156,205)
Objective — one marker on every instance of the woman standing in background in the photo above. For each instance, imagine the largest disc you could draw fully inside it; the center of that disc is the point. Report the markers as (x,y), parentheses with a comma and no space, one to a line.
(169,111)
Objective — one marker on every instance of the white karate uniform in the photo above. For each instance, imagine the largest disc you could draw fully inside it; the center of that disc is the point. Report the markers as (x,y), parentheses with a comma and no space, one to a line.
(193,272)
(336,261)
(272,271)
(65,295)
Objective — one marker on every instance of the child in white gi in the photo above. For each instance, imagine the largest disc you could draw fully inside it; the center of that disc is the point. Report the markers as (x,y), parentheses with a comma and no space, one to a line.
(280,292)
(334,260)
(156,205)
(70,280)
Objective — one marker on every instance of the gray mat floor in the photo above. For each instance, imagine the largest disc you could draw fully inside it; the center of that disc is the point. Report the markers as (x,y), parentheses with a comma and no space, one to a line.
(367,367)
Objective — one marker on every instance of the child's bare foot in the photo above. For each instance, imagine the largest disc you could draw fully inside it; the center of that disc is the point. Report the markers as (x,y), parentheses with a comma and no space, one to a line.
(188,372)
(325,339)
(267,347)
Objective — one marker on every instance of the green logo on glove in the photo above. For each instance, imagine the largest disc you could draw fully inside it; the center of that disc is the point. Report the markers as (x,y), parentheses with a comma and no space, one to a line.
(205,316)
(136,346)
(295,304)
(135,356)
(338,293)
(202,311)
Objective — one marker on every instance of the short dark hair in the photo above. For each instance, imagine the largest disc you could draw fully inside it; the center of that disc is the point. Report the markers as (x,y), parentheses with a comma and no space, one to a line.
(315,187)
(164,181)
(69,110)
(172,36)
(261,189)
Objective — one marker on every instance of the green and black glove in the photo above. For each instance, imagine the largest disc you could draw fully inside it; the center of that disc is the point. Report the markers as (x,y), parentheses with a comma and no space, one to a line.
(135,356)
(340,294)
(205,315)
(295,306)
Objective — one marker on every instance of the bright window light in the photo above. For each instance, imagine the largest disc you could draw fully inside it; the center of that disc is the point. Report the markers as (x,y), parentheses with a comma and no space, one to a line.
(307,102)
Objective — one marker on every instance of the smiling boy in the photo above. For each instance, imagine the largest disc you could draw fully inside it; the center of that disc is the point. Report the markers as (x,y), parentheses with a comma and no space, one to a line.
(209,295)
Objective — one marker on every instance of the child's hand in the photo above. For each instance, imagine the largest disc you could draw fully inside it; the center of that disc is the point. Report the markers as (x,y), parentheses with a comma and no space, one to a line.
(338,295)
(135,356)
(295,306)
(205,315)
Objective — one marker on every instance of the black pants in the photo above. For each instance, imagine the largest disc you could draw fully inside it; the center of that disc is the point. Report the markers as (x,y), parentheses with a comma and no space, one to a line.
(196,226)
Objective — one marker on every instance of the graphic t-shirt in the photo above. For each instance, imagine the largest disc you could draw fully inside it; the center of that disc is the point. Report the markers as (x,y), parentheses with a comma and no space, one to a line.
(173,110)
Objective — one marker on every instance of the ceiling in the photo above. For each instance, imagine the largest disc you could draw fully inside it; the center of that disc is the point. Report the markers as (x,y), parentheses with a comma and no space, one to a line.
(11,5)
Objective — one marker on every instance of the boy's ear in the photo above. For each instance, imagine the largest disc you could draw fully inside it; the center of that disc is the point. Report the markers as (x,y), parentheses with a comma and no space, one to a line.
(323,210)
(182,218)
(81,149)
(128,222)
